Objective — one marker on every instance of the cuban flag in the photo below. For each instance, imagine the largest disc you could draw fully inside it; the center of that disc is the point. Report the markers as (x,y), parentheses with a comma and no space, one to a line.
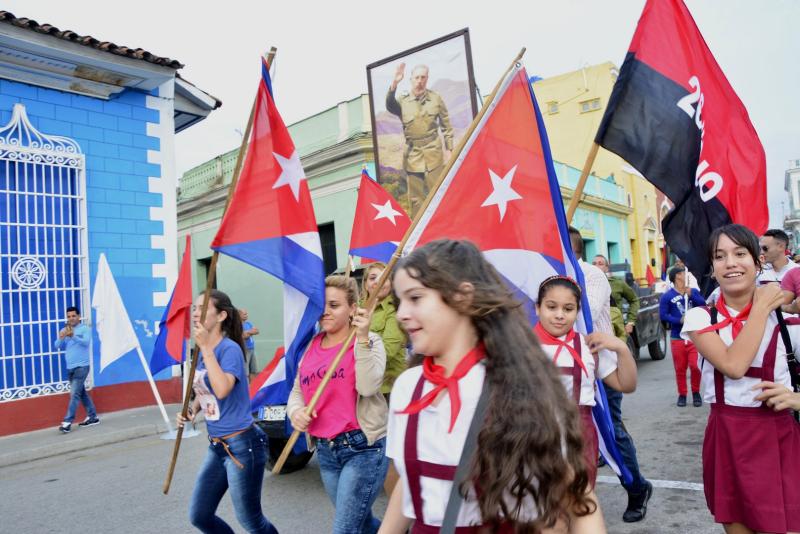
(270,225)
(170,345)
(502,194)
(674,116)
(380,222)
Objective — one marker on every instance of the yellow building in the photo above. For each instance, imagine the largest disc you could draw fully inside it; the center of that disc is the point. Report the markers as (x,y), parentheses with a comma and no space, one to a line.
(572,105)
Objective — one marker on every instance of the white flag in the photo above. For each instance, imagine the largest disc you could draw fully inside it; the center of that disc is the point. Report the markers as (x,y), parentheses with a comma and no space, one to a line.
(114,328)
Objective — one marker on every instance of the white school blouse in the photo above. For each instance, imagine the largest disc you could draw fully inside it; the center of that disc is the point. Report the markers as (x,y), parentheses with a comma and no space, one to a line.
(435,444)
(737,391)
(606,364)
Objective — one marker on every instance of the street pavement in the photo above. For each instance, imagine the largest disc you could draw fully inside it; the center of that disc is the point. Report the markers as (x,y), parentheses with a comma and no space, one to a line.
(108,478)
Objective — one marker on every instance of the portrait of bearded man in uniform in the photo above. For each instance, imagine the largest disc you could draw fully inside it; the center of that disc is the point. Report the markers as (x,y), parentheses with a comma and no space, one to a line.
(427,130)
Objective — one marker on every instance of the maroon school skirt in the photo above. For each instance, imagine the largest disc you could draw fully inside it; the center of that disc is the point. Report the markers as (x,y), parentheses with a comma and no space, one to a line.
(751,468)
(590,444)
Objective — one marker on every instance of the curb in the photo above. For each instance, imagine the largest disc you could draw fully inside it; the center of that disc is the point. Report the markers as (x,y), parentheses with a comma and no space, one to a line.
(24,455)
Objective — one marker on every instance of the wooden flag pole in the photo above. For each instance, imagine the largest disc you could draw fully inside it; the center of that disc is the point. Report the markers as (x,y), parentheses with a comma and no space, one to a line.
(587,168)
(372,300)
(349,269)
(212,272)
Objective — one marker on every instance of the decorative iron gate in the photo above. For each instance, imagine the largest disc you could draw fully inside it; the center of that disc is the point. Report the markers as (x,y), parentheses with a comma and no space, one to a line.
(43,254)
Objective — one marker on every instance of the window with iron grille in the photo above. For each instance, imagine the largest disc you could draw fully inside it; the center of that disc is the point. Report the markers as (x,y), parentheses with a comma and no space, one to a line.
(43,254)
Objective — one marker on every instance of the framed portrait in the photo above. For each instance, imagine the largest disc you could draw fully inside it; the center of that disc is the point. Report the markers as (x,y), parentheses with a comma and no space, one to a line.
(422,101)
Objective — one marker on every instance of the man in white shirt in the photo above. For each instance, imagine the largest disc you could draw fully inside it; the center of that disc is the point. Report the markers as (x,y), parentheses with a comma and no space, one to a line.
(598,290)
(773,248)
(598,293)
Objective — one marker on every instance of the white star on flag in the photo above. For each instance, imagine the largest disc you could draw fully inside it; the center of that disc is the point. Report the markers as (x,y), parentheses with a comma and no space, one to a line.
(386,211)
(502,193)
(291,173)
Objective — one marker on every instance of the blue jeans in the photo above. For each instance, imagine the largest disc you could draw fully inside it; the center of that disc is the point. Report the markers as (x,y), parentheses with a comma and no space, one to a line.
(353,473)
(219,473)
(78,393)
(624,441)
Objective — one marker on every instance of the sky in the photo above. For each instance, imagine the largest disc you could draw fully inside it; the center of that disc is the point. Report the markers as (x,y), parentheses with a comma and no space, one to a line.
(324,47)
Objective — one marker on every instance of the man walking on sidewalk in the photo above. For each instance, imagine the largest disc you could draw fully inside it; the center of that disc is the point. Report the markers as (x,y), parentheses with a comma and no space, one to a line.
(74,339)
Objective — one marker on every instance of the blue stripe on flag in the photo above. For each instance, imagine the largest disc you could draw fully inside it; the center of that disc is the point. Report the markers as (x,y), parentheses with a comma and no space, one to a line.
(284,259)
(160,358)
(265,76)
(380,251)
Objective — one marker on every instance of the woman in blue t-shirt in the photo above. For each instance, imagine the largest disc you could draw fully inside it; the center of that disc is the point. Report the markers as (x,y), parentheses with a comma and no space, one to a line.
(238,451)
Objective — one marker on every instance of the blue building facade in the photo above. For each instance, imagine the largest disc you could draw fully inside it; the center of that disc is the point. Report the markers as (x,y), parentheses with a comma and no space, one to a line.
(86,168)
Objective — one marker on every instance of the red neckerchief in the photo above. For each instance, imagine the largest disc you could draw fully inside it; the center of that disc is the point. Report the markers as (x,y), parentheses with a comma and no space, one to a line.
(545,338)
(735,322)
(435,375)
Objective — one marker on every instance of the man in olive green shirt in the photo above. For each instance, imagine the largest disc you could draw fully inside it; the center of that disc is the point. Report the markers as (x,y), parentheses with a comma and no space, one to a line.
(620,291)
(423,113)
(617,321)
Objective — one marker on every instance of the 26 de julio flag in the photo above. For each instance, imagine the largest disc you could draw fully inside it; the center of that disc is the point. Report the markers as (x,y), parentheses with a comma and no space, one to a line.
(502,194)
(673,115)
(270,225)
(170,346)
(380,223)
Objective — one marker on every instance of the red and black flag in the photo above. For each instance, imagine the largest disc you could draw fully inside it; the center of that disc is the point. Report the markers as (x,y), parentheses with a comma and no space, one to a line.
(674,117)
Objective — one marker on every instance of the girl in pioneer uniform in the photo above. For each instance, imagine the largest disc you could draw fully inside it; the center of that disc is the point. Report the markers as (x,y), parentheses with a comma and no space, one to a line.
(579,358)
(528,472)
(751,450)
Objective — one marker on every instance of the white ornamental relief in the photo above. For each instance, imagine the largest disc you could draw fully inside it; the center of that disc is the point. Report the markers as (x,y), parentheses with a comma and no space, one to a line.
(28,272)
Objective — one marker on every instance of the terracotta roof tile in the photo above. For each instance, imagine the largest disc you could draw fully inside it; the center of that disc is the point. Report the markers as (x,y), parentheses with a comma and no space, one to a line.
(88,40)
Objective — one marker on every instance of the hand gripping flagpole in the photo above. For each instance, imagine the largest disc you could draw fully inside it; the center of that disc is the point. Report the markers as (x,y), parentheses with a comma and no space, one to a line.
(212,272)
(372,299)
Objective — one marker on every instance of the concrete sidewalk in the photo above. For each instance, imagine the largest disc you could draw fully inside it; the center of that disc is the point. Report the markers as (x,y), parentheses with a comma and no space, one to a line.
(113,428)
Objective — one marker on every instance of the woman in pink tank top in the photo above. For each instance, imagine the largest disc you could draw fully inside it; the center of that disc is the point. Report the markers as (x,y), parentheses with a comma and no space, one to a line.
(349,421)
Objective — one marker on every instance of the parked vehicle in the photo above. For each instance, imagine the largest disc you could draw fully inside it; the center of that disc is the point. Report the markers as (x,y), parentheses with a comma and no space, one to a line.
(649,330)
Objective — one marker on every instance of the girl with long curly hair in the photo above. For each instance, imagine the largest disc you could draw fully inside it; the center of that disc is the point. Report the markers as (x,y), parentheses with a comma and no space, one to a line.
(528,472)
(581,359)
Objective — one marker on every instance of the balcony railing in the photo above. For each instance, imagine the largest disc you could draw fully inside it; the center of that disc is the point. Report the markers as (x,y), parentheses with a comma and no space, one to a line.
(604,188)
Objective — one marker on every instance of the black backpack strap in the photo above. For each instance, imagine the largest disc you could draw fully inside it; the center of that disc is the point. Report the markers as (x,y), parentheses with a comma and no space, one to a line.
(712,311)
(791,360)
(465,463)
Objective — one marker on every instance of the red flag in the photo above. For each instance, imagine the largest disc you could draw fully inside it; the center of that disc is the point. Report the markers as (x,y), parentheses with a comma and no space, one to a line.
(676,119)
(651,278)
(170,345)
(380,223)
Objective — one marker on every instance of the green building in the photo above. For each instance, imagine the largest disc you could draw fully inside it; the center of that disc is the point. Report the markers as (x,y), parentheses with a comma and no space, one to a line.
(334,145)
